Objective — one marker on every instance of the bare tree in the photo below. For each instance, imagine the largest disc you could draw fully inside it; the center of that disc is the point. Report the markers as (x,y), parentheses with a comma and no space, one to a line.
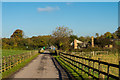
(62,32)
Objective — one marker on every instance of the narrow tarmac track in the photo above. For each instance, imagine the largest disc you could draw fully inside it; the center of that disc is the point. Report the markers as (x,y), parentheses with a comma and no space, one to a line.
(41,67)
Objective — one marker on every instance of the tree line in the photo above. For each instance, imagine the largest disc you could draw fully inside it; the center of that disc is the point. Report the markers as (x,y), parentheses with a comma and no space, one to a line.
(18,41)
(60,38)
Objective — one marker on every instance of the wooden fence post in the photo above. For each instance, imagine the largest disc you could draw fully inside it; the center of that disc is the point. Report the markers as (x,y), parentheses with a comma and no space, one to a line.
(77,63)
(23,57)
(4,63)
(119,69)
(85,64)
(99,68)
(93,53)
(89,66)
(10,61)
(30,54)
(13,60)
(107,53)
(108,72)
(27,55)
(70,60)
(74,61)
(20,58)
(102,69)
(93,69)
(82,65)
(17,59)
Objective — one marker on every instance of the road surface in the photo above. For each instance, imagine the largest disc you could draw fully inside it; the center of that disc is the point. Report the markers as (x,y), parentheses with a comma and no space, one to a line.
(41,67)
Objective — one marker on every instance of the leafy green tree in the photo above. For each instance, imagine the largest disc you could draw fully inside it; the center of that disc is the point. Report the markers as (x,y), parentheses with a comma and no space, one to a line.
(18,34)
(61,36)
(5,43)
(87,39)
(82,38)
(101,41)
(23,44)
(118,32)
(108,35)
(114,36)
(97,34)
(72,37)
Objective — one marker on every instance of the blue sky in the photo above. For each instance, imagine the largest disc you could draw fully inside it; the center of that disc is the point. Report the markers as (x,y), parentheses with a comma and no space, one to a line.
(41,18)
(60,0)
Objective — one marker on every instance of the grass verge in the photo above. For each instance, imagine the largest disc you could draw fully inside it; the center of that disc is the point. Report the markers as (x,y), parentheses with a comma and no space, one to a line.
(14,69)
(78,74)
(69,68)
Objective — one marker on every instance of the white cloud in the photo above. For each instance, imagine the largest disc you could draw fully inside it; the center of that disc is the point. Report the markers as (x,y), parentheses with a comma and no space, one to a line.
(47,9)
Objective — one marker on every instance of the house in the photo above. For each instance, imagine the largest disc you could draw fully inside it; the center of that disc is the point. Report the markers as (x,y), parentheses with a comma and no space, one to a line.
(52,47)
(78,44)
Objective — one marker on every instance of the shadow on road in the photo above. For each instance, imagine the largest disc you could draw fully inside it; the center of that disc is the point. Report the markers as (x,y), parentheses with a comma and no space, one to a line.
(49,53)
(63,74)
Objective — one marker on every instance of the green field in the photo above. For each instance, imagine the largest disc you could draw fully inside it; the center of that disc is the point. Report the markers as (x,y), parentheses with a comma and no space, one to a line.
(13,52)
(118,42)
(16,68)
(11,71)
